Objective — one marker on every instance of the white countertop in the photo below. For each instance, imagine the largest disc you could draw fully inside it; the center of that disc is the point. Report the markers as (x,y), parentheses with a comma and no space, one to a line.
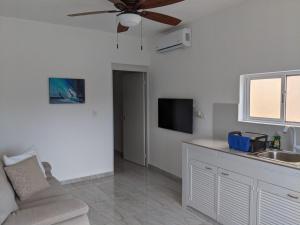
(215,144)
(222,146)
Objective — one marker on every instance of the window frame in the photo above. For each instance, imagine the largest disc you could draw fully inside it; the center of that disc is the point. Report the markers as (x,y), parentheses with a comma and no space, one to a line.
(244,103)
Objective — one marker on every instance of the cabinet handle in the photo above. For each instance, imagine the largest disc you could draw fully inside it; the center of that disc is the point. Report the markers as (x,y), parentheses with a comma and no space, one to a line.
(293,196)
(208,168)
(225,174)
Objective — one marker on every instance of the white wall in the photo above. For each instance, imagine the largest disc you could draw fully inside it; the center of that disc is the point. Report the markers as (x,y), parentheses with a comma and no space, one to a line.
(76,139)
(256,36)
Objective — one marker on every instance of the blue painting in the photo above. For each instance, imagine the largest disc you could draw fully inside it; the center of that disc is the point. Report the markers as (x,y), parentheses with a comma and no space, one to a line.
(66,91)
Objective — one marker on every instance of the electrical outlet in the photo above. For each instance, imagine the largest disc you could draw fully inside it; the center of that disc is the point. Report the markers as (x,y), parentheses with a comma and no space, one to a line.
(200,115)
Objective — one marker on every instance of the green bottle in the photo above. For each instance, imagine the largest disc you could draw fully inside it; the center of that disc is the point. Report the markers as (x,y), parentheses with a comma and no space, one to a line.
(276,142)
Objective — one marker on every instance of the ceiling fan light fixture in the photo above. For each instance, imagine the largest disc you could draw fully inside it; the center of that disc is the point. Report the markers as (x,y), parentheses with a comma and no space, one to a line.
(130,19)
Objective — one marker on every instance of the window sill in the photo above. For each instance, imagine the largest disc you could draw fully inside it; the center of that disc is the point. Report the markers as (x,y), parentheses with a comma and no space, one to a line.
(271,123)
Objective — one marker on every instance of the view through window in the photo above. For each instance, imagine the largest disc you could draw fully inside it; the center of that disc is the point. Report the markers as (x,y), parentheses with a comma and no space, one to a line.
(265,98)
(293,99)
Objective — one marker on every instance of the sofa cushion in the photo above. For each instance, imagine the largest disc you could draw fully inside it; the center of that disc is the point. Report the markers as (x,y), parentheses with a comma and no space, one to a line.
(49,214)
(54,190)
(45,201)
(27,178)
(7,196)
(53,193)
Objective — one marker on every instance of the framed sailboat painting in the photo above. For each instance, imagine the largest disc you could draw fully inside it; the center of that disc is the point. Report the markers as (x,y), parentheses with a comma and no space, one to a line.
(66,91)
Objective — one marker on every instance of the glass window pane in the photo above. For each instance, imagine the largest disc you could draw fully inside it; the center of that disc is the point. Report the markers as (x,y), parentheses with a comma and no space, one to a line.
(265,98)
(293,99)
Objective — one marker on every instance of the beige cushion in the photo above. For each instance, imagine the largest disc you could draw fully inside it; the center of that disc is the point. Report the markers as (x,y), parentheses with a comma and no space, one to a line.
(7,196)
(53,193)
(27,178)
(45,201)
(49,214)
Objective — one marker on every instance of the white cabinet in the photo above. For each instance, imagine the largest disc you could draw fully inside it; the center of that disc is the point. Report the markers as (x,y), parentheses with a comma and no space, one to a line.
(202,189)
(277,205)
(235,194)
(238,190)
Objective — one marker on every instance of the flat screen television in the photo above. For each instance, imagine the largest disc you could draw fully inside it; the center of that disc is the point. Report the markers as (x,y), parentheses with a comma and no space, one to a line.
(176,114)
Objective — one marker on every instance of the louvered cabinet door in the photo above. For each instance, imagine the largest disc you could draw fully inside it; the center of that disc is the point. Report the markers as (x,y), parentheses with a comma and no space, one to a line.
(202,186)
(235,194)
(277,205)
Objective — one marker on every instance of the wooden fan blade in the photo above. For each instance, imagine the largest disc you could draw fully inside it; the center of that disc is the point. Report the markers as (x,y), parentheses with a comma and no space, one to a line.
(122,29)
(150,4)
(93,13)
(119,4)
(161,18)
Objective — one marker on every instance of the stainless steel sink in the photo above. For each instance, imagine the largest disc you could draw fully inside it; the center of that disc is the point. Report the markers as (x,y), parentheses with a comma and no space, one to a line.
(283,156)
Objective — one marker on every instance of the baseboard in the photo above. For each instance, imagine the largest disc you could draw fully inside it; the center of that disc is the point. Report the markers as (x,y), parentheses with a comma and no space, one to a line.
(88,178)
(167,174)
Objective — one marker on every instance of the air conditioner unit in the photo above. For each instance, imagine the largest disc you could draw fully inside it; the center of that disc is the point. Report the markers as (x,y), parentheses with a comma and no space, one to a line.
(178,39)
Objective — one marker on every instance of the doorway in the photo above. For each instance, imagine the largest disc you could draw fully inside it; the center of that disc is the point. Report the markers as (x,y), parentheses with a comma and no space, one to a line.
(130,116)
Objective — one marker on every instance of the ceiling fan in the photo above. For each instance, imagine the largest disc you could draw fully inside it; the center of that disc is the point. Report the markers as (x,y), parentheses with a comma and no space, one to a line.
(130,12)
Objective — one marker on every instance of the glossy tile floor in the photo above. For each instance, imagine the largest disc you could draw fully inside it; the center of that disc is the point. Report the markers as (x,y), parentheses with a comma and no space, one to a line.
(135,196)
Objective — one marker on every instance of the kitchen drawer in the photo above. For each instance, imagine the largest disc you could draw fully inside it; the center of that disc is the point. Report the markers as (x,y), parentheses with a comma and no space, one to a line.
(204,166)
(235,176)
(279,191)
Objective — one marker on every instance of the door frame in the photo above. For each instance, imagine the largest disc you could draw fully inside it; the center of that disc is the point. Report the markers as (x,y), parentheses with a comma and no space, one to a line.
(145,71)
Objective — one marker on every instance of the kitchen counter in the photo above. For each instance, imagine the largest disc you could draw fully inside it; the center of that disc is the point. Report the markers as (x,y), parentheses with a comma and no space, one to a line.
(234,187)
(222,146)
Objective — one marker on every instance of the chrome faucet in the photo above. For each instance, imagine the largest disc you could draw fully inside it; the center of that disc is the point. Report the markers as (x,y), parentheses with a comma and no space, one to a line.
(295,146)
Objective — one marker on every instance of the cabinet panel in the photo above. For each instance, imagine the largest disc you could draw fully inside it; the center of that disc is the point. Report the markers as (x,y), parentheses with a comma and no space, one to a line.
(234,199)
(203,188)
(277,205)
(202,154)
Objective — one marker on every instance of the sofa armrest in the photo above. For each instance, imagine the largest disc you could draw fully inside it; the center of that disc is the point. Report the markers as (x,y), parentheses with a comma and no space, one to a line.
(48,169)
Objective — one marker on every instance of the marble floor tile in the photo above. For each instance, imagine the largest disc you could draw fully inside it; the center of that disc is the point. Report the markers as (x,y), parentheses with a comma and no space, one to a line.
(135,196)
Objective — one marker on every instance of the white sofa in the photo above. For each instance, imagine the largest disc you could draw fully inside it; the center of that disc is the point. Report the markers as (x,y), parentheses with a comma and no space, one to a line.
(52,206)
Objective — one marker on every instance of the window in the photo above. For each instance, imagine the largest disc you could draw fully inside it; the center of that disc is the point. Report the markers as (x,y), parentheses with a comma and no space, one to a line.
(270,98)
(265,98)
(293,99)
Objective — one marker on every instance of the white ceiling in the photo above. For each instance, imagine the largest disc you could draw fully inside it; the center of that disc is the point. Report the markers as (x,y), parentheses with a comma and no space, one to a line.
(55,11)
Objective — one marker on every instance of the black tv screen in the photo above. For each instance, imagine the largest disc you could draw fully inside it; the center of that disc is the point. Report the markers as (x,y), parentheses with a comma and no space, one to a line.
(176,114)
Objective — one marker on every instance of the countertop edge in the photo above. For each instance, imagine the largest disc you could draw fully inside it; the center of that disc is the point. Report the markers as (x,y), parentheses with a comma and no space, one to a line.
(243,154)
